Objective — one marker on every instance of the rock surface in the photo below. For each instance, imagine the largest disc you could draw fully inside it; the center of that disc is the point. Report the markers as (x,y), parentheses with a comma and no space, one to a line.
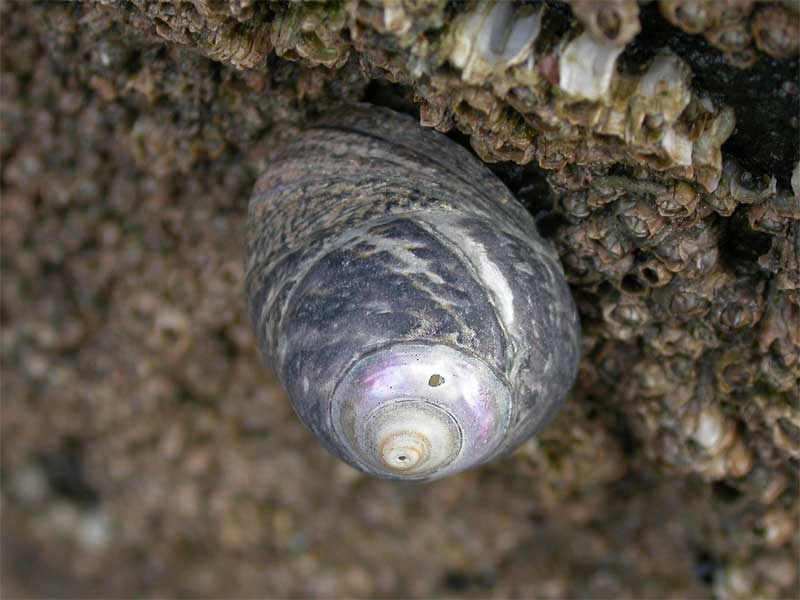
(145,449)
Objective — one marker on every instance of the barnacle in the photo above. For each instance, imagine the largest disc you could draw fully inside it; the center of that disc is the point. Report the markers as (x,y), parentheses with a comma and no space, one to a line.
(613,22)
(774,28)
(734,25)
(311,33)
(492,38)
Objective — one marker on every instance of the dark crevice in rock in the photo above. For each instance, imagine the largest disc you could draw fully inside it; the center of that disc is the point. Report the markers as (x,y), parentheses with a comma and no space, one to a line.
(65,473)
(765,97)
(741,245)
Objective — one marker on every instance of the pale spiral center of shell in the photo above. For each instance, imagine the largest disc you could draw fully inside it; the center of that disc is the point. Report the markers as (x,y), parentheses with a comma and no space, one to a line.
(411,436)
(404,450)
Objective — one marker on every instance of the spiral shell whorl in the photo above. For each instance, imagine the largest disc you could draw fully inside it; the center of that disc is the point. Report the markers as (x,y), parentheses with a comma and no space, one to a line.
(417,321)
(418,409)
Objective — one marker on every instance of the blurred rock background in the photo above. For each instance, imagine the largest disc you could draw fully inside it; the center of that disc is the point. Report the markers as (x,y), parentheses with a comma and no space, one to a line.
(146,451)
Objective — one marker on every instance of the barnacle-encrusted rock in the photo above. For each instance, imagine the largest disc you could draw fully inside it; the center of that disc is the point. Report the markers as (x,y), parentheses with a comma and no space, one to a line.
(776,29)
(136,426)
(735,26)
(564,90)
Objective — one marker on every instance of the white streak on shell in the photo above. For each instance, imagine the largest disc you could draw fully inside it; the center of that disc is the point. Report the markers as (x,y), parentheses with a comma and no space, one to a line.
(497,284)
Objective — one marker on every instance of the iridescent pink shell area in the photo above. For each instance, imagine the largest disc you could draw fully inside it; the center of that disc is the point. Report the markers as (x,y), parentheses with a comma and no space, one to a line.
(451,407)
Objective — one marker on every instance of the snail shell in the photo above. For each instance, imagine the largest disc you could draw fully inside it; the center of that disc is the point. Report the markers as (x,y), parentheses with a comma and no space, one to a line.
(417,320)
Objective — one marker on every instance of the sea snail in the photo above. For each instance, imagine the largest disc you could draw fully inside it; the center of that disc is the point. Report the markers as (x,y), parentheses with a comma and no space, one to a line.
(418,322)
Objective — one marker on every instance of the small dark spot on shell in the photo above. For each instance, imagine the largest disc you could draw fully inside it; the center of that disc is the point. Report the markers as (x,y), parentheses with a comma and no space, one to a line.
(435,380)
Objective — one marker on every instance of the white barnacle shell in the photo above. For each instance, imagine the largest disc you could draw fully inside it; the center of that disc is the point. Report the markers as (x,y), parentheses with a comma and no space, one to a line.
(663,90)
(586,68)
(608,21)
(662,94)
(706,154)
(415,317)
(493,37)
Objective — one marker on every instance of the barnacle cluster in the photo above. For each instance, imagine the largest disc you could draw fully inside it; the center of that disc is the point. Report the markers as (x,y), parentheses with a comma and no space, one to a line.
(739,27)
(523,93)
(711,332)
(503,73)
(127,357)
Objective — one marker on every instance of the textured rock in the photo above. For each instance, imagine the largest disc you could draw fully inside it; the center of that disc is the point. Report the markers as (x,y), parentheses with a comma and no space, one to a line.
(145,451)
